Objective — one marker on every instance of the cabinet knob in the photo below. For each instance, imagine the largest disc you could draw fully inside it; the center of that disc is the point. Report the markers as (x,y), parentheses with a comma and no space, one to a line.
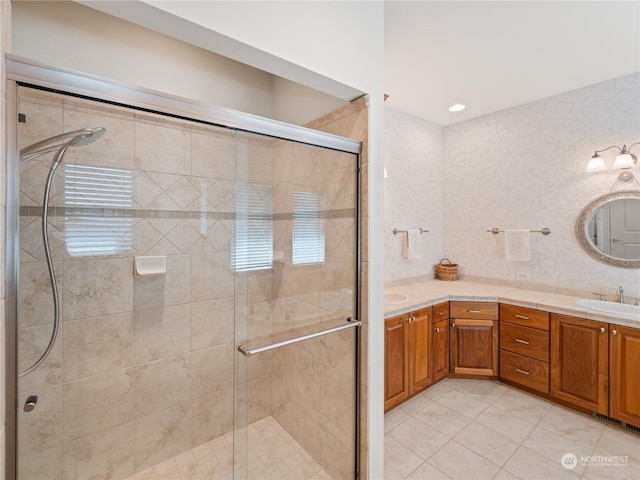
(453,325)
(614,332)
(437,329)
(602,329)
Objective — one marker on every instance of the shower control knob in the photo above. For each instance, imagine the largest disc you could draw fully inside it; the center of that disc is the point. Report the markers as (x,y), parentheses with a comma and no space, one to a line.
(30,404)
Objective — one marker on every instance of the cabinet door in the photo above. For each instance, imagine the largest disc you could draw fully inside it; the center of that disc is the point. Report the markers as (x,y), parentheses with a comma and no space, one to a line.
(580,362)
(624,393)
(474,347)
(396,361)
(420,371)
(440,350)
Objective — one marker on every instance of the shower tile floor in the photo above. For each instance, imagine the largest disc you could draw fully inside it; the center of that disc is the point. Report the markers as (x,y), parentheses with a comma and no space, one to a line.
(480,429)
(273,454)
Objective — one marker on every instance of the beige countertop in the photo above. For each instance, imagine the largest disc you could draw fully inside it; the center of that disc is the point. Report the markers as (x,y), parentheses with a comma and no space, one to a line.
(430,292)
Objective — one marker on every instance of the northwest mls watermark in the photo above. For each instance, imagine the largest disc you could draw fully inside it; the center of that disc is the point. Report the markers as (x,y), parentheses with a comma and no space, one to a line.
(571,461)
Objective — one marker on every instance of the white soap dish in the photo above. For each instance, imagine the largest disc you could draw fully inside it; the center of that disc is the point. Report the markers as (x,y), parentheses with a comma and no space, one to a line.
(149,266)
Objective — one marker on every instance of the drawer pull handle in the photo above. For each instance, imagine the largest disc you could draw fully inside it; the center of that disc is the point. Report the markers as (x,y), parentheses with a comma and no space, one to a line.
(522,317)
(473,311)
(522,341)
(522,371)
(440,313)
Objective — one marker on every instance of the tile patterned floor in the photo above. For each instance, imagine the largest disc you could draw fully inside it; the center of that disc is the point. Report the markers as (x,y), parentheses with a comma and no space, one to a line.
(273,455)
(479,429)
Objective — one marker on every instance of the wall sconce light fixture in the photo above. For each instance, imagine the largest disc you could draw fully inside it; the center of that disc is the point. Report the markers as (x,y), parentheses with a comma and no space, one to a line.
(623,160)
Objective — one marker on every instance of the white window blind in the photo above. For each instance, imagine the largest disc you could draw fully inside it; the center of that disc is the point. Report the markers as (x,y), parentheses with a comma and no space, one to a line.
(308,228)
(105,232)
(253,246)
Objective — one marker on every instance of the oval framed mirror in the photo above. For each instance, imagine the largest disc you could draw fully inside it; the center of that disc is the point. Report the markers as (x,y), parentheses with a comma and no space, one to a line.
(609,229)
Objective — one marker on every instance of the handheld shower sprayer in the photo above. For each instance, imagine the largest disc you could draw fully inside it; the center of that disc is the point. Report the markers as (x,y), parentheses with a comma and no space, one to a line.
(59,144)
(77,138)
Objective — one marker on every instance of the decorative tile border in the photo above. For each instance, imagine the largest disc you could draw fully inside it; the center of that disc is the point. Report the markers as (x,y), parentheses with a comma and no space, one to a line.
(34,211)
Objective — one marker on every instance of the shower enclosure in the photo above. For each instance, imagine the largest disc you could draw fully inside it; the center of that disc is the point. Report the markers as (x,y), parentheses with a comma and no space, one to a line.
(206,264)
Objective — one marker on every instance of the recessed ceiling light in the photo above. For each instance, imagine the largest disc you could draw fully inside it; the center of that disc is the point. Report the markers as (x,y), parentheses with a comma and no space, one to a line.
(457,107)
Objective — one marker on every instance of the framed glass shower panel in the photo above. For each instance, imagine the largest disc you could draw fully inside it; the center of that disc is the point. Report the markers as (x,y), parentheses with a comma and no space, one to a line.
(140,376)
(297,219)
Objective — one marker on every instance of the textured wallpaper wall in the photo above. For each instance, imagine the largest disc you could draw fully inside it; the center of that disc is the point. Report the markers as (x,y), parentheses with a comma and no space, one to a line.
(413,192)
(518,168)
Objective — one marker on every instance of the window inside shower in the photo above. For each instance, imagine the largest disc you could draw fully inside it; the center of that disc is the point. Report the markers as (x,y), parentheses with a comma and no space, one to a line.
(232,361)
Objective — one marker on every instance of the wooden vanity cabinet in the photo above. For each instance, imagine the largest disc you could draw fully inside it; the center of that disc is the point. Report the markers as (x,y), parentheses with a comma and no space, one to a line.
(396,365)
(420,335)
(440,342)
(407,360)
(524,347)
(473,332)
(589,364)
(580,362)
(624,368)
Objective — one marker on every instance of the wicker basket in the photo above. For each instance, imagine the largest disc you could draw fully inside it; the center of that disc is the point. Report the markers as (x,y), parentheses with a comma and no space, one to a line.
(446,271)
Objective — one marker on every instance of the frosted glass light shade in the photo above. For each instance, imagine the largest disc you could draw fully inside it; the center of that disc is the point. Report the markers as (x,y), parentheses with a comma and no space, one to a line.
(624,160)
(596,163)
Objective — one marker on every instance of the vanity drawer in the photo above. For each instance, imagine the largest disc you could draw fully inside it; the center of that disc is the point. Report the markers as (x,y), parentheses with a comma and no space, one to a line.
(525,316)
(474,310)
(525,371)
(440,311)
(525,341)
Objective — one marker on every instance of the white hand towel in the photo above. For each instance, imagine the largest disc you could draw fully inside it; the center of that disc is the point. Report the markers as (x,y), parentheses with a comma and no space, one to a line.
(516,245)
(410,245)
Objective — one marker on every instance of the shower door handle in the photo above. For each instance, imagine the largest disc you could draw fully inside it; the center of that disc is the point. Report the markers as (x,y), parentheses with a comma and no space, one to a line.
(352,322)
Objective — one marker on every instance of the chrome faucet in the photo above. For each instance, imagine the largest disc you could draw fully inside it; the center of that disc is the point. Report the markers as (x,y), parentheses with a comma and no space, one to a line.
(620,293)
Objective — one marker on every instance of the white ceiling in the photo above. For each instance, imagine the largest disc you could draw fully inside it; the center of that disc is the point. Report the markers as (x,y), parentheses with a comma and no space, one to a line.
(492,55)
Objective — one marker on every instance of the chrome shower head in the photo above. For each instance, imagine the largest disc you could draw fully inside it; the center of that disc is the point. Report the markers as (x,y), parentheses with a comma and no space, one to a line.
(77,138)
(87,138)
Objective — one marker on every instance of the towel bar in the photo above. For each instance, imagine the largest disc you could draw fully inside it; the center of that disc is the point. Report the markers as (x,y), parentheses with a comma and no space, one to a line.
(544,231)
(396,231)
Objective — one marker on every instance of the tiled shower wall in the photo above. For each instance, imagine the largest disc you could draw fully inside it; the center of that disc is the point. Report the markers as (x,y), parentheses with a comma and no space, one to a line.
(147,369)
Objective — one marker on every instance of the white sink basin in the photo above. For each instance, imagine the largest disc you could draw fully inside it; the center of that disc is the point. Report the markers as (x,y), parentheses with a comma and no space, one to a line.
(618,309)
(394,298)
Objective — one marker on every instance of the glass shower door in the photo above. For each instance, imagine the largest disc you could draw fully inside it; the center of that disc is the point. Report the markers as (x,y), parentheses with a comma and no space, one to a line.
(253,243)
(139,380)
(295,258)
